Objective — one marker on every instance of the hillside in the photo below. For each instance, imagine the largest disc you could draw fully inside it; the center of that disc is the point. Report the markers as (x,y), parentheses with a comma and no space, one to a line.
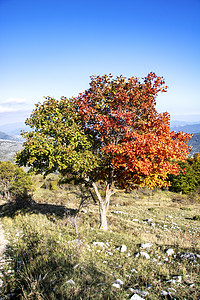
(195,143)
(14,129)
(8,149)
(188,128)
(151,250)
(5,136)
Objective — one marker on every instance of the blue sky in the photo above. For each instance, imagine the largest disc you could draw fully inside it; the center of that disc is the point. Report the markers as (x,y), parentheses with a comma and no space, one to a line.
(51,48)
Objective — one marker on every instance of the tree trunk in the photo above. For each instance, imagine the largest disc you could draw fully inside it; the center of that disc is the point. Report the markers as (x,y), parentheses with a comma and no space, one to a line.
(102,213)
(103,205)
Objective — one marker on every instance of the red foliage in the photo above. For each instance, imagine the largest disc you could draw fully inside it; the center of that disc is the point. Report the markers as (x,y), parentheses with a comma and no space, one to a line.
(130,135)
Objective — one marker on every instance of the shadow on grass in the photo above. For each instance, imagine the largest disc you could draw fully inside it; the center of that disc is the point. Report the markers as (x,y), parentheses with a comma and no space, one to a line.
(10,209)
(50,275)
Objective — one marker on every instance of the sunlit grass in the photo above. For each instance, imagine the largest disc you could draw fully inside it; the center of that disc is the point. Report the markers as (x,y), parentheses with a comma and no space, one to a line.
(53,255)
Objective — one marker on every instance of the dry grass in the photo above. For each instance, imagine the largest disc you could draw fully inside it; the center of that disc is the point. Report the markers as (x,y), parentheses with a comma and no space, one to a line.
(49,246)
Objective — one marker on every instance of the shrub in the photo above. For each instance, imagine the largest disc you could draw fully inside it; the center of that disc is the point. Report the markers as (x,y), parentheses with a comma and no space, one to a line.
(14,181)
(53,185)
(196,218)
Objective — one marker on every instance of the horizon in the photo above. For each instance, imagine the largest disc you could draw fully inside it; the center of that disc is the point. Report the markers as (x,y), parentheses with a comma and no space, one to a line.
(51,48)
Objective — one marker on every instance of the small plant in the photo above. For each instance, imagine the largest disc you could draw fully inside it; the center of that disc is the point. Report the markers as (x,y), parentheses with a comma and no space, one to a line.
(196,218)
(53,185)
(151,209)
(186,208)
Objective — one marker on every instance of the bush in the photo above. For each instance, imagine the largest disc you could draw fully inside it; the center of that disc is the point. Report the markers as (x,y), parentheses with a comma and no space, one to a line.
(14,181)
(188,180)
(196,218)
(53,185)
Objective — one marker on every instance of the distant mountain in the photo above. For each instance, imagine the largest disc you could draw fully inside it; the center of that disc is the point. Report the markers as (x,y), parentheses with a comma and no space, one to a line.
(178,123)
(5,136)
(8,137)
(14,128)
(189,128)
(195,143)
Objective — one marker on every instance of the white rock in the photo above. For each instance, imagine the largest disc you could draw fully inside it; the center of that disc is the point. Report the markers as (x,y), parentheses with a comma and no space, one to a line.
(172,290)
(119,212)
(84,211)
(144,254)
(164,293)
(100,244)
(135,220)
(123,248)
(146,245)
(70,281)
(178,278)
(1,283)
(136,297)
(118,281)
(170,252)
(173,281)
(116,285)
(142,293)
(134,270)
(188,255)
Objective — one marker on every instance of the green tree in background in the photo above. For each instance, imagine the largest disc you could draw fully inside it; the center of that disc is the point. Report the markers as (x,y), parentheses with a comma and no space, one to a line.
(14,181)
(189,178)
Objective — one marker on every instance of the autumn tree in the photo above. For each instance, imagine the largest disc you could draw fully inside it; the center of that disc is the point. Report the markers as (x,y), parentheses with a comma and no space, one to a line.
(111,134)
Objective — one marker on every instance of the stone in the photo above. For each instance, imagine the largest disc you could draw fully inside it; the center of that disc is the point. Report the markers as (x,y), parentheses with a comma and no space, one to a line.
(146,245)
(119,281)
(170,252)
(70,282)
(136,297)
(123,248)
(100,244)
(134,270)
(142,293)
(116,285)
(119,212)
(164,293)
(143,254)
(188,255)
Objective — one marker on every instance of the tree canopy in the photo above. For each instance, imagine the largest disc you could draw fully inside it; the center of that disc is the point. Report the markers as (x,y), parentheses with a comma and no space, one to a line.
(14,181)
(188,180)
(110,134)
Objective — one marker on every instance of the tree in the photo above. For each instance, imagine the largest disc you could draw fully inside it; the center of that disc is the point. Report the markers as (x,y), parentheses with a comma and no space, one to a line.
(185,182)
(7,171)
(111,134)
(188,179)
(13,181)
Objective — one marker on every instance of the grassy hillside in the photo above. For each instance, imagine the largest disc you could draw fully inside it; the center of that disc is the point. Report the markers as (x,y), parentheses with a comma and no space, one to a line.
(152,247)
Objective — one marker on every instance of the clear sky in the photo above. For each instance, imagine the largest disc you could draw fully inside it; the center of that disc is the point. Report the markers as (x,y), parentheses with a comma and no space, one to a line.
(52,47)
